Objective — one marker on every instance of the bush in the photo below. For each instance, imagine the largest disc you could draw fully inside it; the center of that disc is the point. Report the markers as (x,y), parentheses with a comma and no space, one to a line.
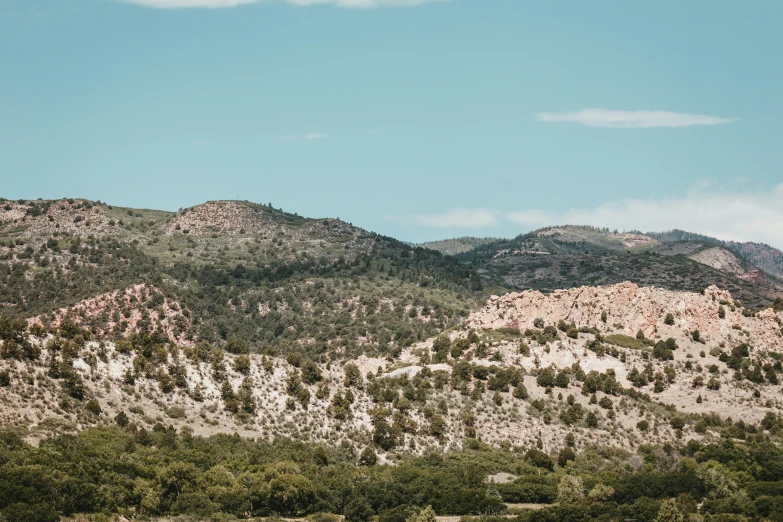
(121,419)
(625,341)
(662,352)
(353,376)
(368,457)
(570,490)
(520,392)
(242,364)
(311,373)
(538,489)
(539,459)
(236,345)
(323,517)
(176,412)
(546,378)
(93,407)
(565,456)
(294,359)
(5,379)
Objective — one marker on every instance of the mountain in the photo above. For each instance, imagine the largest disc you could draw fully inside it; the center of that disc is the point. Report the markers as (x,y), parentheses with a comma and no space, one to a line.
(232,360)
(225,268)
(571,256)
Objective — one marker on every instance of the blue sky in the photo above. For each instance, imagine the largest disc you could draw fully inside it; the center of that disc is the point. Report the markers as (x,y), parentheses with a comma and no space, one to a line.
(443,118)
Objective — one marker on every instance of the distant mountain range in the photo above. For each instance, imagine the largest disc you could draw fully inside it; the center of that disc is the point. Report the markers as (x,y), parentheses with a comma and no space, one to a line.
(568,256)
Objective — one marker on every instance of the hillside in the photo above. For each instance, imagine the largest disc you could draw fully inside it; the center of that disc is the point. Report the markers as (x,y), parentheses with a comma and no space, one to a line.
(760,255)
(566,257)
(181,354)
(457,245)
(276,280)
(765,257)
(592,362)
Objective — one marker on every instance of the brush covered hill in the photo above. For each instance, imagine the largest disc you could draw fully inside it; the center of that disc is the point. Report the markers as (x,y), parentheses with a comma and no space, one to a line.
(618,366)
(224,268)
(571,256)
(767,258)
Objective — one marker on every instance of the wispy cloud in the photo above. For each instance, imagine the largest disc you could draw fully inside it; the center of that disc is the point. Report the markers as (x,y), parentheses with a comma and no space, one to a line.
(631,119)
(364,4)
(455,218)
(308,136)
(214,4)
(181,4)
(729,215)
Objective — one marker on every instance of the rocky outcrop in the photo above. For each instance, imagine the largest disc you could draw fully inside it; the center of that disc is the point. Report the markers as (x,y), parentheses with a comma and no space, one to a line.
(630,308)
(135,309)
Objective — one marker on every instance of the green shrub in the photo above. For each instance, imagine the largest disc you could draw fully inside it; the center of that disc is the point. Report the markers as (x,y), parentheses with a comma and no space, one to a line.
(625,341)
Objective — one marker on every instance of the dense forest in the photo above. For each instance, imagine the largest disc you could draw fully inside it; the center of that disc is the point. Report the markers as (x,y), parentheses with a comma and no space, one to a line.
(143,473)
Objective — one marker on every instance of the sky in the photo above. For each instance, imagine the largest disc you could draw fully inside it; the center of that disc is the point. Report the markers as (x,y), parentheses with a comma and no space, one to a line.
(412,118)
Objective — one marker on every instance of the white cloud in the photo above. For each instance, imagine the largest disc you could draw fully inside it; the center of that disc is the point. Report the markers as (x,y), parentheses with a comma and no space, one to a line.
(455,218)
(180,4)
(631,119)
(737,216)
(364,4)
(213,4)
(308,136)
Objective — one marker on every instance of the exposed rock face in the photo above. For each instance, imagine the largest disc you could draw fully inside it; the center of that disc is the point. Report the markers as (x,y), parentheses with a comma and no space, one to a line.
(634,308)
(720,259)
(135,309)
